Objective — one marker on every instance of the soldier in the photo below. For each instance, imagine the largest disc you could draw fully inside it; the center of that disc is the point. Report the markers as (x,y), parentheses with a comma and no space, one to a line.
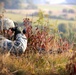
(18,46)
(20,43)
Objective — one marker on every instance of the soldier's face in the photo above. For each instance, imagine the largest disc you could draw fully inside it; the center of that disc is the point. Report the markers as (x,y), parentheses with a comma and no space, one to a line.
(9,32)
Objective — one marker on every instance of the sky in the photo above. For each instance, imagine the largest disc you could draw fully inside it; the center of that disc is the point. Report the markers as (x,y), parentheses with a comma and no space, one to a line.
(55,1)
(50,1)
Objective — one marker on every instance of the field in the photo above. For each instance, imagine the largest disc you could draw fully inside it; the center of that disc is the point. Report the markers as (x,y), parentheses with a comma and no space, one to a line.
(45,63)
(35,64)
(57,10)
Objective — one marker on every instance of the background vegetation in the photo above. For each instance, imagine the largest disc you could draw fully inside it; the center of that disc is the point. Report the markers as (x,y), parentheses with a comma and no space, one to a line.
(60,22)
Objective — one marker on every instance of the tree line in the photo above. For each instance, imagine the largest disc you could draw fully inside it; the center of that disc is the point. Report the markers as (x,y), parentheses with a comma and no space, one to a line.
(16,4)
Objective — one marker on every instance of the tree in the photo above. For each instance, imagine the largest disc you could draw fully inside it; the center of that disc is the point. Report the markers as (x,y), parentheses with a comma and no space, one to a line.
(31,5)
(12,4)
(62,28)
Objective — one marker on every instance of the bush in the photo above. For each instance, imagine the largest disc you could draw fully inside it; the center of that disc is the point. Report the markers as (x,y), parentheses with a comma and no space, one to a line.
(63,28)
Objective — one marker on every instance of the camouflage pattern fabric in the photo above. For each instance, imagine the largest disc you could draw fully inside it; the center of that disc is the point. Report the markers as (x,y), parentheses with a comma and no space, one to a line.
(17,47)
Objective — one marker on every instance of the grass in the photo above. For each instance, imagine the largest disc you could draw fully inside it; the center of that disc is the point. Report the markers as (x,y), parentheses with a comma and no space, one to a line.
(19,18)
(34,64)
(56,7)
(14,17)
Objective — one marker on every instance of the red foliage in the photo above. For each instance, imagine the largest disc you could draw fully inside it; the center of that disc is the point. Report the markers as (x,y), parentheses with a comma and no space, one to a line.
(39,39)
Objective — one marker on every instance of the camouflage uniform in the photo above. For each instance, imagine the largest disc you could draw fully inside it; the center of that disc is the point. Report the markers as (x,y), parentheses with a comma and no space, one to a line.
(20,44)
(17,47)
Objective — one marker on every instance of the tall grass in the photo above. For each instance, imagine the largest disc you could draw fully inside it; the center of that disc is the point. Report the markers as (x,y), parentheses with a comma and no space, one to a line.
(34,64)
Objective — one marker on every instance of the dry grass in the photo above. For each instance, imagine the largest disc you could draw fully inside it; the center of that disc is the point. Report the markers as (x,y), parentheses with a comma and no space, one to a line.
(34,64)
